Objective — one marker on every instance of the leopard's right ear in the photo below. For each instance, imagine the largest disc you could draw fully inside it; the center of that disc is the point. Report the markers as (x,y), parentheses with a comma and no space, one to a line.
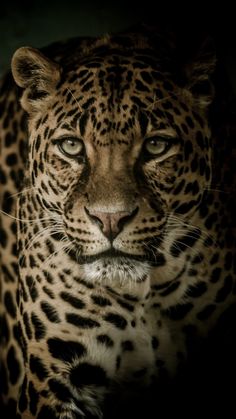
(199,71)
(37,75)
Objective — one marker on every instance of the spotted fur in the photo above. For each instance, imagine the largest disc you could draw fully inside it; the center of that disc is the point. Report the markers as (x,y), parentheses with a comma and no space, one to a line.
(117,231)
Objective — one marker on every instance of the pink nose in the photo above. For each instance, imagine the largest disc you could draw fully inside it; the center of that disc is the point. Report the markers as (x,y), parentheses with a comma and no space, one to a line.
(111,223)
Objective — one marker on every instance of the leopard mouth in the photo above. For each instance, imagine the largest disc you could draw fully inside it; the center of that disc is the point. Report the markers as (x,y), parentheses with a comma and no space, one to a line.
(113,254)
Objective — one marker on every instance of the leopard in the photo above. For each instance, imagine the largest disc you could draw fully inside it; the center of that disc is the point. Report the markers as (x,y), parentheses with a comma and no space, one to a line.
(117,232)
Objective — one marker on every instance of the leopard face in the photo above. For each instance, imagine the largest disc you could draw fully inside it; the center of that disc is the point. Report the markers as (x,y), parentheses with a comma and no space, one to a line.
(117,152)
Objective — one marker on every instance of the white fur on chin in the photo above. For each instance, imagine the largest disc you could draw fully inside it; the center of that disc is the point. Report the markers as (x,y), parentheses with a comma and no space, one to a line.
(120,271)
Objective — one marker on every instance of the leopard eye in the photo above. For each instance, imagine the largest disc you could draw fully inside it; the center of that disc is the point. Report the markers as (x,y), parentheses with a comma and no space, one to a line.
(72,147)
(157,146)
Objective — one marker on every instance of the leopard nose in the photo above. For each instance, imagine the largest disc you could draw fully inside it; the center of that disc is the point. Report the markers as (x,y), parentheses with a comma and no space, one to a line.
(111,223)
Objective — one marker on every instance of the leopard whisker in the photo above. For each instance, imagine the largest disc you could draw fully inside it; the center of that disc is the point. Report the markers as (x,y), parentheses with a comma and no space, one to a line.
(22,219)
(49,258)
(24,191)
(79,106)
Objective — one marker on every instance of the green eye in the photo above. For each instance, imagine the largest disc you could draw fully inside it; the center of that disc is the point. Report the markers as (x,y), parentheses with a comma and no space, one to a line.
(72,147)
(157,146)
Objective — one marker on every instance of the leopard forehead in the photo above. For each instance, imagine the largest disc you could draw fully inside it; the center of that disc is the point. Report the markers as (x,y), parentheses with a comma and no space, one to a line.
(125,97)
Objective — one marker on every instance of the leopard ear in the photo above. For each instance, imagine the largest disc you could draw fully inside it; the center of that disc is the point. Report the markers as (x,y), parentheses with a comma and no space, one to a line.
(199,72)
(37,75)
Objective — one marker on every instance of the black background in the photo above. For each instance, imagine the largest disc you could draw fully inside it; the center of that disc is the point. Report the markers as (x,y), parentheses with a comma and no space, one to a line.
(38,23)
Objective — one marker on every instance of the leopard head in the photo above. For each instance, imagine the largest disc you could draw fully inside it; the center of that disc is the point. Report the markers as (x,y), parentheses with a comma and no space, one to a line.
(119,144)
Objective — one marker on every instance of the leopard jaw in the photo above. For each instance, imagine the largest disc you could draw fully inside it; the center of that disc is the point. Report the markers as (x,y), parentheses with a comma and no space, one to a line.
(116,270)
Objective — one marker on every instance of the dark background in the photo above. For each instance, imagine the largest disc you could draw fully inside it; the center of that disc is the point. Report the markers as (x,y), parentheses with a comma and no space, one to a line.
(38,23)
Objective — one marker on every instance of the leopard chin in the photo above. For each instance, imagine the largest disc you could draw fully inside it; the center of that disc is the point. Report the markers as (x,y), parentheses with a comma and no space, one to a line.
(119,270)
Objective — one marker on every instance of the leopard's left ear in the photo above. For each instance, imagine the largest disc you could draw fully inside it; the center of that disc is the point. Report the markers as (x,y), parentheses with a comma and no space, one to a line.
(37,75)
(198,73)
